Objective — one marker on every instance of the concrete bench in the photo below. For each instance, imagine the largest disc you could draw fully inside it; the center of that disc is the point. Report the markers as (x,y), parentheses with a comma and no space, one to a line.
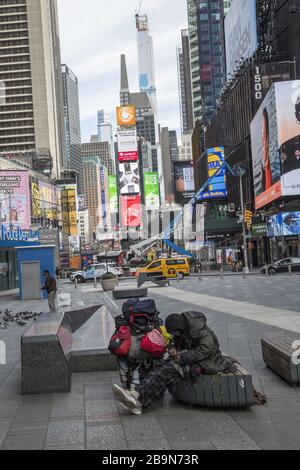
(160,281)
(129,293)
(59,344)
(278,355)
(219,391)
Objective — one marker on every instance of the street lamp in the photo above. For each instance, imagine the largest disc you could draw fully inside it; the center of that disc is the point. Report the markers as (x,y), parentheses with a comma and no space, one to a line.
(240,170)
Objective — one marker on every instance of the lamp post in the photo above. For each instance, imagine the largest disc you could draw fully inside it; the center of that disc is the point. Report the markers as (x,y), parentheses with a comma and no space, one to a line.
(240,171)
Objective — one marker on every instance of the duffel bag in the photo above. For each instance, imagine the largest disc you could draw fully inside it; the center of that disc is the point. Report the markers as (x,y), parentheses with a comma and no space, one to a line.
(138,306)
(120,342)
(154,344)
(135,349)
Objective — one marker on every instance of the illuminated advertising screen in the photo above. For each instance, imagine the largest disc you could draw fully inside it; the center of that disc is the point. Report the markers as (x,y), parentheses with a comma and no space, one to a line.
(127,146)
(103,195)
(184,181)
(113,194)
(69,211)
(81,202)
(15,199)
(131,211)
(45,200)
(129,178)
(151,186)
(218,187)
(284,224)
(275,138)
(241,38)
(126,116)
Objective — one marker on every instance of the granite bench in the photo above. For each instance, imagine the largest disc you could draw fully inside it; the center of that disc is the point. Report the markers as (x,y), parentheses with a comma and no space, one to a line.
(59,344)
(129,293)
(219,391)
(160,281)
(279,354)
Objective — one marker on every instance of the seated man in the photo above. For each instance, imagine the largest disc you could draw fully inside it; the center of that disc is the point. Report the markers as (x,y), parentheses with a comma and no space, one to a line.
(195,350)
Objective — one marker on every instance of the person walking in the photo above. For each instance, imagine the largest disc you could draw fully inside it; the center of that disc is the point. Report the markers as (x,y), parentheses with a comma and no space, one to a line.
(51,288)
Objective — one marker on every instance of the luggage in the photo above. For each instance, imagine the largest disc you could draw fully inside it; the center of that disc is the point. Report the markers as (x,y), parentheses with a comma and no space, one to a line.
(135,351)
(141,315)
(120,342)
(154,344)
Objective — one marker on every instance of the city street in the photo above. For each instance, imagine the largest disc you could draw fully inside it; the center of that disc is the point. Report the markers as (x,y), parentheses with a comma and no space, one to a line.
(241,312)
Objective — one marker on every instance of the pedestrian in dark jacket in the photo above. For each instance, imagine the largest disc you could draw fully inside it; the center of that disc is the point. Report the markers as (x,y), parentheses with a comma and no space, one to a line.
(51,289)
(195,350)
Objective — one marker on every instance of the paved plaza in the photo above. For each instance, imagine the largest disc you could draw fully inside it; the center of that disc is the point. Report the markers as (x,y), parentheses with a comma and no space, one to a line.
(241,311)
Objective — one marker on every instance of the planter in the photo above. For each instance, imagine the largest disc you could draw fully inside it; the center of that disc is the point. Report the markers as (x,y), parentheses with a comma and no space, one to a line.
(108,285)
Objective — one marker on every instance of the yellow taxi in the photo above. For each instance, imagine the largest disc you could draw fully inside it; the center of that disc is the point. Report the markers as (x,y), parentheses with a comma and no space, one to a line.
(169,268)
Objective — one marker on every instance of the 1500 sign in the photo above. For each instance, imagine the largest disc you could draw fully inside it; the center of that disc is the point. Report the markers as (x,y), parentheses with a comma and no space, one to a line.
(258,88)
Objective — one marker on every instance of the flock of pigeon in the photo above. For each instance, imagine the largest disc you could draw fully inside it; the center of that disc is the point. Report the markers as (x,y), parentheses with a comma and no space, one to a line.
(7,317)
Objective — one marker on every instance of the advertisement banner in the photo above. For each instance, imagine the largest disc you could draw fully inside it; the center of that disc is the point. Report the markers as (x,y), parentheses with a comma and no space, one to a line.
(151,185)
(113,194)
(126,116)
(15,200)
(69,211)
(275,137)
(103,196)
(131,211)
(127,146)
(241,38)
(45,200)
(129,178)
(218,186)
(284,224)
(184,181)
(81,202)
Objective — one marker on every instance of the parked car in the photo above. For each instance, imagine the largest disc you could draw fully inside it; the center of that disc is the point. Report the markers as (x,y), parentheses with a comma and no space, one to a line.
(96,271)
(169,268)
(282,266)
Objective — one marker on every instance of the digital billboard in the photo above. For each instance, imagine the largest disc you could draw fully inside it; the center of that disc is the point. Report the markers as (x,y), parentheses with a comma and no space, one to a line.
(69,211)
(184,181)
(127,146)
(113,194)
(151,186)
(129,178)
(15,199)
(45,200)
(103,175)
(218,186)
(241,38)
(131,211)
(81,202)
(284,224)
(275,138)
(126,116)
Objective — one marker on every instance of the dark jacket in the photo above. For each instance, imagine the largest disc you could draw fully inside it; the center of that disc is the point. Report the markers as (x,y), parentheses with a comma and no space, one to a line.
(50,285)
(200,345)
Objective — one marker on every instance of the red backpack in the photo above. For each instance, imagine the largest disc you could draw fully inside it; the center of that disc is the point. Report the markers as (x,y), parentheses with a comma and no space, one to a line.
(154,344)
(120,342)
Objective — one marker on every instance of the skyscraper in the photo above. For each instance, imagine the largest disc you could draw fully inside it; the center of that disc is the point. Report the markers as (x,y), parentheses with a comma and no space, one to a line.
(102,151)
(185,83)
(105,130)
(207,52)
(72,124)
(31,119)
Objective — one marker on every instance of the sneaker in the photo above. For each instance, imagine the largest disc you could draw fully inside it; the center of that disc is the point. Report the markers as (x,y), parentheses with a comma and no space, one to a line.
(128,399)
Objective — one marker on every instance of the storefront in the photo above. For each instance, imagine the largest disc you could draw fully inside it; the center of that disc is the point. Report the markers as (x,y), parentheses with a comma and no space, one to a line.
(284,235)
(9,240)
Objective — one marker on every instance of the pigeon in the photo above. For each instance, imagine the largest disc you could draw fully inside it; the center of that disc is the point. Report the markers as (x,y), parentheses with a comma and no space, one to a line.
(3,326)
(21,323)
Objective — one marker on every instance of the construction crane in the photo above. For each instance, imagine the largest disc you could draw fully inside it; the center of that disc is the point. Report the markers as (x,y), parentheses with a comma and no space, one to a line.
(165,236)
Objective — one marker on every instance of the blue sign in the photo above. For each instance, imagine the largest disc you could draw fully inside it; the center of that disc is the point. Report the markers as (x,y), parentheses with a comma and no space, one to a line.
(217,188)
(17,235)
(284,224)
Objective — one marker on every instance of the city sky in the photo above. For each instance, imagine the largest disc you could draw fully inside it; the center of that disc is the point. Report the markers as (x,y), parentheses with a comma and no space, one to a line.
(93,35)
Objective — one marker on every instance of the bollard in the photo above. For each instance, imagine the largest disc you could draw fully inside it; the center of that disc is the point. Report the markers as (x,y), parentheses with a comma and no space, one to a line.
(290,270)
(267,271)
(76,283)
(199,276)
(95,282)
(222,273)
(178,277)
(244,273)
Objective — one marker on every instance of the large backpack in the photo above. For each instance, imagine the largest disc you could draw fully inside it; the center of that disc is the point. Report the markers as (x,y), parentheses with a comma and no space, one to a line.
(141,315)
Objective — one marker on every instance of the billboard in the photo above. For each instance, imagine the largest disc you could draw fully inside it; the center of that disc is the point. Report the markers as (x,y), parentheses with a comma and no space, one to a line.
(129,178)
(275,137)
(45,200)
(127,146)
(126,116)
(284,224)
(218,186)
(131,211)
(241,38)
(151,186)
(113,194)
(103,175)
(184,181)
(81,202)
(69,211)
(15,199)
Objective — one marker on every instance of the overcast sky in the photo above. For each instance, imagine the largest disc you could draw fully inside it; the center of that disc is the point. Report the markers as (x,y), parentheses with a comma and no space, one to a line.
(94,33)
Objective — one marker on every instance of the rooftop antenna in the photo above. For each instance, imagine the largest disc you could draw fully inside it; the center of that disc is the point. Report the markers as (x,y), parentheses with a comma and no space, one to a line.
(139,10)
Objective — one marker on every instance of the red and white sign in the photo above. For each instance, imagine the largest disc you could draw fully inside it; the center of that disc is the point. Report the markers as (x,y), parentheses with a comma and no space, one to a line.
(127,146)
(131,211)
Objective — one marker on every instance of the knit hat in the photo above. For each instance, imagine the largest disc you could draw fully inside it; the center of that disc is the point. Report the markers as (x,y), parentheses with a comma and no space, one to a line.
(175,324)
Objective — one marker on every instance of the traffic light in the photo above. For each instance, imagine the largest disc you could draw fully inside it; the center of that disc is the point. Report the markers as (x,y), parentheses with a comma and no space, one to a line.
(249,219)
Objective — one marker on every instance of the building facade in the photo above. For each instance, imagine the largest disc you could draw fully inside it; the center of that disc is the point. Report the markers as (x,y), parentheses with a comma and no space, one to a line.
(92,188)
(185,83)
(168,156)
(207,55)
(85,227)
(73,160)
(105,130)
(102,151)
(31,116)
